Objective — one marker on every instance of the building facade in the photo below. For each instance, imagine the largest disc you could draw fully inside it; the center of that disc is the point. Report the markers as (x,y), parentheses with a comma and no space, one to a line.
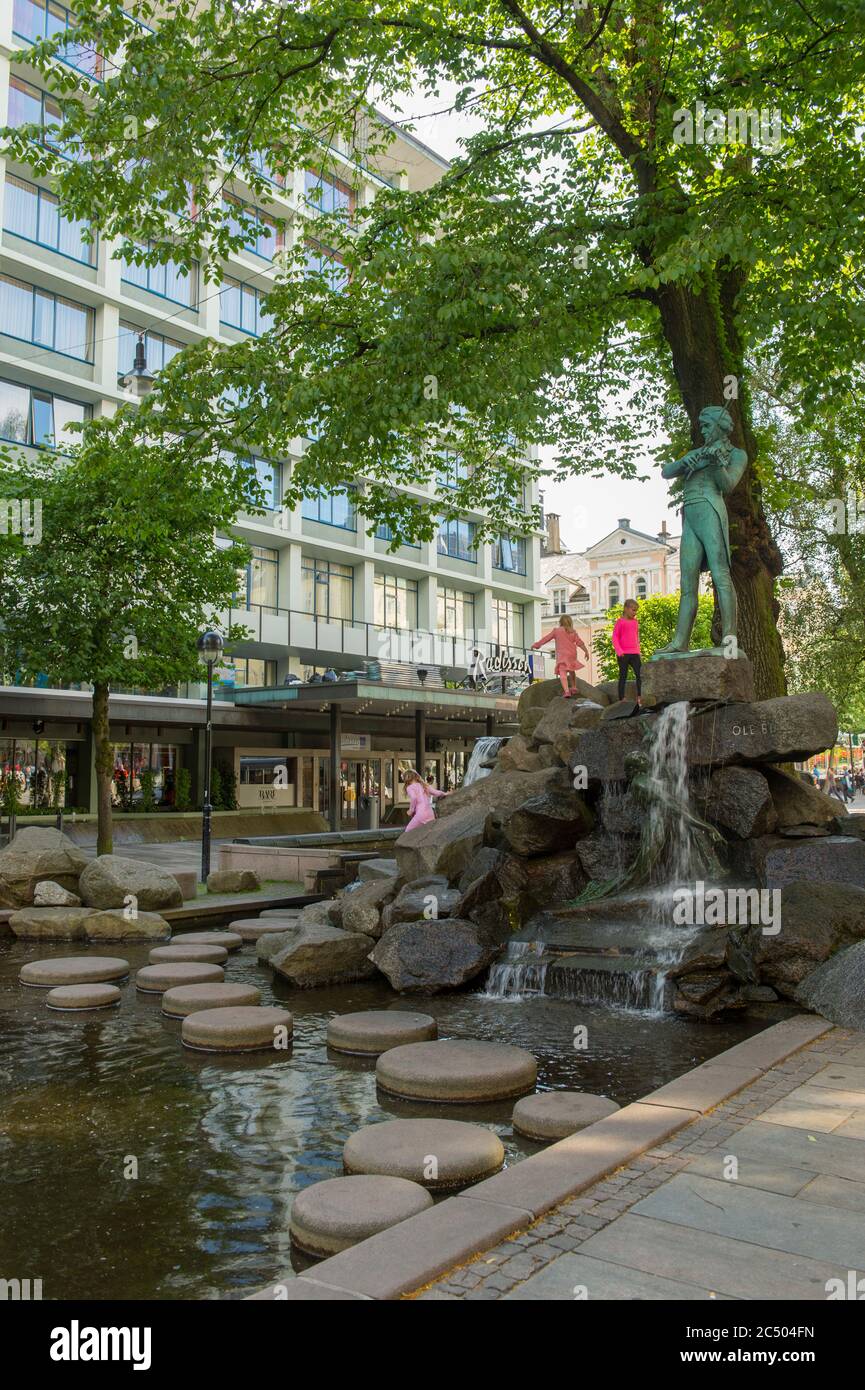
(319,594)
(586,584)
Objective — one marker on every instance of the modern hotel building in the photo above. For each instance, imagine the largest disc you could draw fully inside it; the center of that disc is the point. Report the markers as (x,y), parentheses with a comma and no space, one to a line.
(319,593)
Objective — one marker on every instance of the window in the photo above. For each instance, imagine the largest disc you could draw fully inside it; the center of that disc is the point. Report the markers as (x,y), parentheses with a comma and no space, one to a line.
(47,320)
(328,588)
(269,475)
(169,281)
(34,214)
(453,469)
(259,580)
(642,587)
(331,509)
(158,350)
(29,105)
(508,621)
(456,613)
(321,260)
(328,195)
(131,760)
(262,238)
(613,593)
(509,553)
(244,671)
(395,601)
(387,533)
(456,538)
(263,162)
(44,19)
(28,416)
(240,306)
(560,600)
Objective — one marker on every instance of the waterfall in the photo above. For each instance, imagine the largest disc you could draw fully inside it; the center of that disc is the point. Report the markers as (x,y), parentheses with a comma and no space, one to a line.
(666,832)
(482,759)
(521,972)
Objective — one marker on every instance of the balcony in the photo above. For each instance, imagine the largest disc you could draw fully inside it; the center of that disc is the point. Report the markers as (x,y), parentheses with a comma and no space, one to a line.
(344,642)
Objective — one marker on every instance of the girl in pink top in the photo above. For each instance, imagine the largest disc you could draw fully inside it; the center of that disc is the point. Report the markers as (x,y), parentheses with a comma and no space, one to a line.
(567,642)
(626,645)
(420,799)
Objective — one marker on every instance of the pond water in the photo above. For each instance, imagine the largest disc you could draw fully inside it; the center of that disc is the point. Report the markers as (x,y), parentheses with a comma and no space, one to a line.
(221,1144)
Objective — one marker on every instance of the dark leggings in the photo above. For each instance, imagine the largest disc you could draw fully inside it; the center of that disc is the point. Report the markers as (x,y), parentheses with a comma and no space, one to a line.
(632,660)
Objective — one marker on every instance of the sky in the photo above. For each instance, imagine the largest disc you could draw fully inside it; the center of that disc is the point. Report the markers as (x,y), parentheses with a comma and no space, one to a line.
(589,507)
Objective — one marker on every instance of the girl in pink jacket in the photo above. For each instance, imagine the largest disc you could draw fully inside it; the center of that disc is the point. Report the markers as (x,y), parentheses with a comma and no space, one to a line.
(626,645)
(420,799)
(566,641)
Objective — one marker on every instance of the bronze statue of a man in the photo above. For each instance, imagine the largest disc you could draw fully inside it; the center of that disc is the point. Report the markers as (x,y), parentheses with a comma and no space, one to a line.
(709,473)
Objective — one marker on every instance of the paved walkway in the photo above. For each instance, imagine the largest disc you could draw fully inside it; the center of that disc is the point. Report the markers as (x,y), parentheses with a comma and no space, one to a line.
(762,1198)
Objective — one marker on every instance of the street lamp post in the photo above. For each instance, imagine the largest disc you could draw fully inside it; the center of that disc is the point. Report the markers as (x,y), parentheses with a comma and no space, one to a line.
(209,646)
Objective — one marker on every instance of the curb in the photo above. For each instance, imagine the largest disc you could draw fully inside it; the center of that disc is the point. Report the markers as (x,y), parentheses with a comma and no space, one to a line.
(417,1251)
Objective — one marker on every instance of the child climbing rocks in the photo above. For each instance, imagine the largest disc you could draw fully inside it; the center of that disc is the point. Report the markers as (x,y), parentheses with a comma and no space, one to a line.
(626,645)
(566,641)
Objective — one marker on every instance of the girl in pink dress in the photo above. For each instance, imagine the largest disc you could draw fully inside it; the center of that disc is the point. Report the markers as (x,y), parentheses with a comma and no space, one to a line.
(420,797)
(567,641)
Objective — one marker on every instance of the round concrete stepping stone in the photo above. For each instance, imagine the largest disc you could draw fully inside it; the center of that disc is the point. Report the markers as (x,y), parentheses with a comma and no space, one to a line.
(188,999)
(434,1153)
(251,928)
(374,1031)
(229,939)
(156,979)
(73,970)
(457,1071)
(235,1029)
(205,955)
(70,998)
(556,1114)
(333,1215)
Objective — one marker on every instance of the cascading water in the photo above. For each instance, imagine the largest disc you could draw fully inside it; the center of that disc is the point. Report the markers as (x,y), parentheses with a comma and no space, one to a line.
(482,758)
(520,973)
(598,965)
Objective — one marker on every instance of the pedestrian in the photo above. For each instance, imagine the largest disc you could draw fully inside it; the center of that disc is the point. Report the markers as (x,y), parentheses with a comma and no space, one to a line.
(567,640)
(831,788)
(420,799)
(626,645)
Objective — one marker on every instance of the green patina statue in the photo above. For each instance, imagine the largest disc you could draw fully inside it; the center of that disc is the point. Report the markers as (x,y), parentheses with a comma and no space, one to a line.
(709,473)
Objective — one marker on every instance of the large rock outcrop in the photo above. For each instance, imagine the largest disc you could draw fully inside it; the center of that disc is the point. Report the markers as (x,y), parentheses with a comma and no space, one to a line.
(553,820)
(110,880)
(37,855)
(816,920)
(836,989)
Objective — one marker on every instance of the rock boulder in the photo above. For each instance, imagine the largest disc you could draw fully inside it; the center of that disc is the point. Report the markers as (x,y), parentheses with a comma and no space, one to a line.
(738,801)
(34,856)
(816,920)
(552,821)
(233,881)
(801,803)
(779,860)
(836,989)
(323,955)
(48,894)
(787,729)
(362,907)
(111,925)
(49,923)
(109,880)
(428,957)
(698,677)
(563,714)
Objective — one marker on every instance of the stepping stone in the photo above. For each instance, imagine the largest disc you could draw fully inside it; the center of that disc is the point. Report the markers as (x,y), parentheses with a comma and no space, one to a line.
(229,939)
(251,928)
(377,1030)
(457,1071)
(333,1215)
(237,1029)
(73,997)
(205,955)
(434,1153)
(556,1114)
(155,979)
(187,999)
(73,970)
(283,912)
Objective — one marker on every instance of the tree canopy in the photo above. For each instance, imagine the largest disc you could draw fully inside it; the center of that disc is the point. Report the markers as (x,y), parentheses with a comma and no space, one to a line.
(657,616)
(589,266)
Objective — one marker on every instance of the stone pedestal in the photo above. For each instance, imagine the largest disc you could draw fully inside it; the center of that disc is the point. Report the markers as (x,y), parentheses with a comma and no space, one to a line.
(698,676)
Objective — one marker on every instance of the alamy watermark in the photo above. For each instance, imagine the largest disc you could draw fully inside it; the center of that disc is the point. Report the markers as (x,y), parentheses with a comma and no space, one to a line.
(709,125)
(21,517)
(719,907)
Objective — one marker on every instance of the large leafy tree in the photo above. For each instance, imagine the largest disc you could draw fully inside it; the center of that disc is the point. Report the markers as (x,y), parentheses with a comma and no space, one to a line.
(579,272)
(116,567)
(657,615)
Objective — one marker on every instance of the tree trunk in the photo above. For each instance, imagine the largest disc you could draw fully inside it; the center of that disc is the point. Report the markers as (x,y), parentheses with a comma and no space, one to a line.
(104,769)
(700,332)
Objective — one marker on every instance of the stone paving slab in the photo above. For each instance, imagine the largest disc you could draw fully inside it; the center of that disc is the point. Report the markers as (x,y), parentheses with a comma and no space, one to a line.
(798,1114)
(768,1176)
(720,1264)
(767,1219)
(570,1275)
(836,1156)
(836,1192)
